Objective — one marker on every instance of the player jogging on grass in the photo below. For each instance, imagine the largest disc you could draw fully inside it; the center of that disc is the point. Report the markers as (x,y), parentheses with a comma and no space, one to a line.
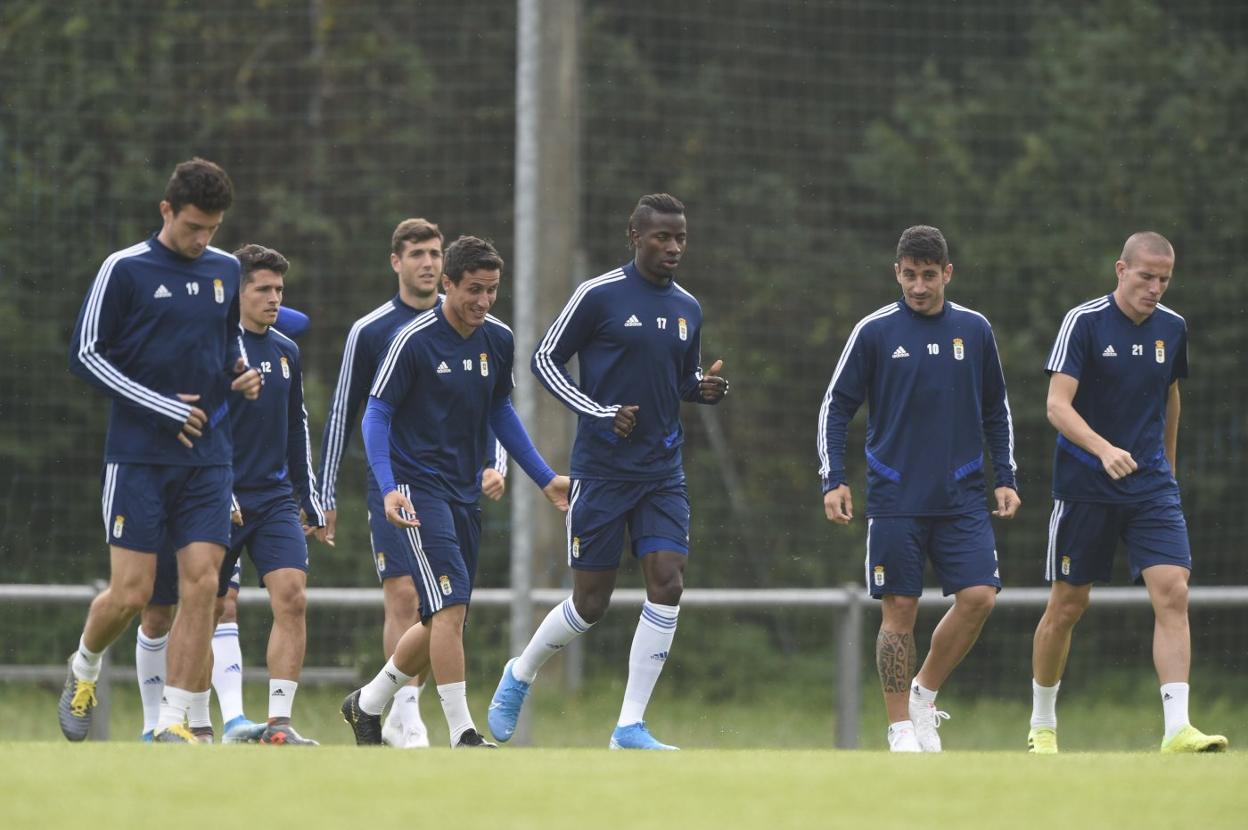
(929,371)
(446,378)
(1114,400)
(637,336)
(158,332)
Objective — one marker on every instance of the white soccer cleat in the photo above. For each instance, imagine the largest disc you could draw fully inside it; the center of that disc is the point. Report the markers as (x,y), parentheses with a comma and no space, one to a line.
(901,738)
(926,719)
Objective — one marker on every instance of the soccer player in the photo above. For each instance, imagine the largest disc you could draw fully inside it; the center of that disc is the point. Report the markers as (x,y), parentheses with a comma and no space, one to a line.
(274,484)
(1114,400)
(227,667)
(931,375)
(446,377)
(637,336)
(158,332)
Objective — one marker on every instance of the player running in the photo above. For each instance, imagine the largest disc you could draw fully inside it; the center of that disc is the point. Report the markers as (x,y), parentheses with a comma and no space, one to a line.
(637,336)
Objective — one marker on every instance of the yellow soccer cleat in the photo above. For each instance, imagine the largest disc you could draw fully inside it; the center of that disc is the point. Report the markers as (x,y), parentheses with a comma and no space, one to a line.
(176,734)
(1191,739)
(1042,741)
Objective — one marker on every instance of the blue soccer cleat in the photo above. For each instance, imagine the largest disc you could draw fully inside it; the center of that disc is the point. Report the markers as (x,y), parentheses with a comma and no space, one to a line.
(505,708)
(239,730)
(146,737)
(636,736)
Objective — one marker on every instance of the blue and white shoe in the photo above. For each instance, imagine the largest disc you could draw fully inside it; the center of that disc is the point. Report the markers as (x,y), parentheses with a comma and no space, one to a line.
(505,708)
(146,737)
(636,736)
(239,730)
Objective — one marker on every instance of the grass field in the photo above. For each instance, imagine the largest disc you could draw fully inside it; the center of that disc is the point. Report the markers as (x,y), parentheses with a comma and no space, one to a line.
(53,785)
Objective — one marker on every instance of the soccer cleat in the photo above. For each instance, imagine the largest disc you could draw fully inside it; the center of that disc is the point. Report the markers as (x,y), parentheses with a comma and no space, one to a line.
(203,734)
(1042,740)
(176,734)
(76,706)
(367,728)
(926,719)
(239,730)
(472,739)
(1191,739)
(283,734)
(403,735)
(636,736)
(901,738)
(146,737)
(504,709)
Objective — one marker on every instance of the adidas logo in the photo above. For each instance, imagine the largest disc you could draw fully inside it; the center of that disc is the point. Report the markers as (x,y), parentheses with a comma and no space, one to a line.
(443,369)
(1167,696)
(632,321)
(390,675)
(659,655)
(900,352)
(154,680)
(162,293)
(235,668)
(1109,352)
(278,693)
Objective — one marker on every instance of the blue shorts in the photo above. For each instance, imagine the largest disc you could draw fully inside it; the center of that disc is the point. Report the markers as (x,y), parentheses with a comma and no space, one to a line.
(165,591)
(962,549)
(655,513)
(147,506)
(444,549)
(391,551)
(1083,537)
(271,532)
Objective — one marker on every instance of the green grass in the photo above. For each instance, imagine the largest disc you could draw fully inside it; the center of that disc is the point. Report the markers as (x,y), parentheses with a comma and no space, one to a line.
(115,784)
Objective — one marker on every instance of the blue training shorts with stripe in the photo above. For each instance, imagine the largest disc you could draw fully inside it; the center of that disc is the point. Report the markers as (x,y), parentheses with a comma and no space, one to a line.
(444,549)
(655,514)
(1083,537)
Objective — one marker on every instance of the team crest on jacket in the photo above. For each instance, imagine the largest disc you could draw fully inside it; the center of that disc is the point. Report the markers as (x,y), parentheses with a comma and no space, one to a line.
(218,291)
(959,352)
(285,368)
(485,365)
(683,326)
(1160,350)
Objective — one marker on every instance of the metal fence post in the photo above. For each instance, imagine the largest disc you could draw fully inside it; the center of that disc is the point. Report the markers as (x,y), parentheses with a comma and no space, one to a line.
(849,670)
(103,689)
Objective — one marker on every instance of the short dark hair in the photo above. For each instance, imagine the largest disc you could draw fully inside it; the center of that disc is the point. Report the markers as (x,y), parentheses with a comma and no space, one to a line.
(469,253)
(201,183)
(1146,242)
(255,258)
(923,243)
(651,204)
(413,230)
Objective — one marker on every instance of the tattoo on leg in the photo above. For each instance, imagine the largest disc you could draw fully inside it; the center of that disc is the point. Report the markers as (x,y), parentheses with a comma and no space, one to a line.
(895,658)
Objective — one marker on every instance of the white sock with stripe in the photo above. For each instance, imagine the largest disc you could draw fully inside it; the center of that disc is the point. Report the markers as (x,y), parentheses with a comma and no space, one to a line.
(561,626)
(227,671)
(381,688)
(651,643)
(149,666)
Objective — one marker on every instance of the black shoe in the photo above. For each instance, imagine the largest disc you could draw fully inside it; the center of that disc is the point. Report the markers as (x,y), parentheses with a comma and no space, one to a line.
(367,728)
(283,734)
(471,739)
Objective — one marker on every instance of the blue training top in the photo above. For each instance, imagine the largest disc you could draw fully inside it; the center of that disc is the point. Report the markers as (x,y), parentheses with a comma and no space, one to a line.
(935,390)
(636,343)
(156,324)
(271,447)
(1125,372)
(433,401)
(367,343)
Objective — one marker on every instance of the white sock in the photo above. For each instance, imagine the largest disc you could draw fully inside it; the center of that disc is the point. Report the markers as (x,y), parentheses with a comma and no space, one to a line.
(197,713)
(1174,706)
(922,694)
(174,704)
(149,665)
(227,671)
(653,640)
(87,662)
(454,697)
(407,705)
(901,724)
(281,698)
(1044,704)
(561,626)
(381,688)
